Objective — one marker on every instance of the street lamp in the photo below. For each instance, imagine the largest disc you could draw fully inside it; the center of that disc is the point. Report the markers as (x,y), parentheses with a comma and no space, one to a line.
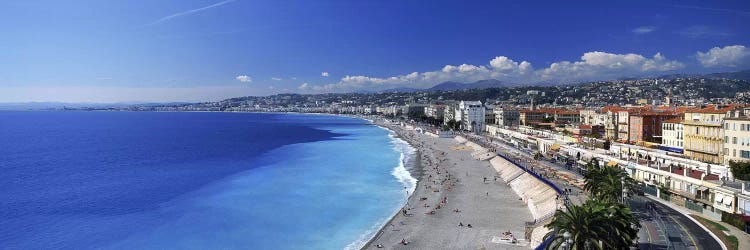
(624,190)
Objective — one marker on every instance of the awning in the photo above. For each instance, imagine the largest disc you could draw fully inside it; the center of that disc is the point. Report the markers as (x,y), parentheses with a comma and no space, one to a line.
(719,198)
(728,200)
(611,163)
(555,146)
(583,163)
(702,189)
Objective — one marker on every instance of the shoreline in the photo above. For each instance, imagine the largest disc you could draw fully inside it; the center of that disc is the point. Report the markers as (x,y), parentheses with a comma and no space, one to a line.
(415,169)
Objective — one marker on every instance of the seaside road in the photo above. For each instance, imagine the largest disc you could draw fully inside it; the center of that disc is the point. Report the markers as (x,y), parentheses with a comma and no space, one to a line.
(491,207)
(682,232)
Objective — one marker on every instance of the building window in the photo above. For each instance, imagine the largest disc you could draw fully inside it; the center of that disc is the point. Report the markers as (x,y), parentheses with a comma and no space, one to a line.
(745,154)
(734,140)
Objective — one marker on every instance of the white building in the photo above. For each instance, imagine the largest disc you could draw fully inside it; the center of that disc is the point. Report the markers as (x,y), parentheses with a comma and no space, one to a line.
(471,115)
(435,111)
(507,117)
(593,117)
(737,136)
(672,135)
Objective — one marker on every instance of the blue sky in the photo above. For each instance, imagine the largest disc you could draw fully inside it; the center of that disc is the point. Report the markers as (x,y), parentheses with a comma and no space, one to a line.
(196,50)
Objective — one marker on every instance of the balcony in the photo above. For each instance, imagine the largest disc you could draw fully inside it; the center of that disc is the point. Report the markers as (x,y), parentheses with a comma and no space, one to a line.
(702,123)
(710,152)
(697,196)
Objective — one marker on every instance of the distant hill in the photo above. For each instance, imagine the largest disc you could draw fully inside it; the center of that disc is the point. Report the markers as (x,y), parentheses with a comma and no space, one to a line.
(448,86)
(739,75)
(402,89)
(30,106)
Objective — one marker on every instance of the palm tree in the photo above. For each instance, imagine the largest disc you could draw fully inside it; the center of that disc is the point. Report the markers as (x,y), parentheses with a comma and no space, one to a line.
(606,183)
(593,225)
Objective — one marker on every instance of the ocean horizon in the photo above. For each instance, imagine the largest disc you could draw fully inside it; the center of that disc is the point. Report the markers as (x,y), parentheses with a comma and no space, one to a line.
(156,180)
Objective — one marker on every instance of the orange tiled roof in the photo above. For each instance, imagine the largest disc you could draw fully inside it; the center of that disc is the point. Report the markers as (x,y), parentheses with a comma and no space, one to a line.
(673,120)
(712,109)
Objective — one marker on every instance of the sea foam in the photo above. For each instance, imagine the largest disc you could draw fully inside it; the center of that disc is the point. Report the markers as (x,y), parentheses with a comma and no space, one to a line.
(403,176)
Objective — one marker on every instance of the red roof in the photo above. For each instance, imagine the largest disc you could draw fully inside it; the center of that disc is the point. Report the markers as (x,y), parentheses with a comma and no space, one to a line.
(612,108)
(695,174)
(717,109)
(673,120)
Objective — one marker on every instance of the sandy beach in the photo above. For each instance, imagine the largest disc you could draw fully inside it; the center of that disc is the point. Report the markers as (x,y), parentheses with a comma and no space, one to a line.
(459,202)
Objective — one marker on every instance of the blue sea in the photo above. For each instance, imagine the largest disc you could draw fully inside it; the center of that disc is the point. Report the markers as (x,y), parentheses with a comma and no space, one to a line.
(157,180)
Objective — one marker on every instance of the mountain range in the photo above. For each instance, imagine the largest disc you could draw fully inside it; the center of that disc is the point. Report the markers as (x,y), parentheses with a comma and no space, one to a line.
(445,86)
(492,83)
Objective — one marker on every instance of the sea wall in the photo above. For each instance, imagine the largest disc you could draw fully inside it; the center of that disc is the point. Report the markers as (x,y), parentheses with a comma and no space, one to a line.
(539,196)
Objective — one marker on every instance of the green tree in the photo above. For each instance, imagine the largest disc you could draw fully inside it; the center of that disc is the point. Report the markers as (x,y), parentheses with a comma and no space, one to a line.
(740,170)
(606,183)
(452,124)
(595,224)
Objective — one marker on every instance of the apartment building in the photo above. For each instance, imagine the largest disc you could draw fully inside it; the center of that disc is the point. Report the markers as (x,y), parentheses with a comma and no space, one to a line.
(505,117)
(436,111)
(704,134)
(449,113)
(592,117)
(529,116)
(623,126)
(471,115)
(737,136)
(610,121)
(645,126)
(567,116)
(413,110)
(672,135)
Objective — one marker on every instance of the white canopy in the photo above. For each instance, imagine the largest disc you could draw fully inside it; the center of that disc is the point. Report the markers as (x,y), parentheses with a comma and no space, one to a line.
(728,200)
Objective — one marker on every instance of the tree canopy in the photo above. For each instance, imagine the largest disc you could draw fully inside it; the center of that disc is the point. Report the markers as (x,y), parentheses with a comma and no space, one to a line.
(740,170)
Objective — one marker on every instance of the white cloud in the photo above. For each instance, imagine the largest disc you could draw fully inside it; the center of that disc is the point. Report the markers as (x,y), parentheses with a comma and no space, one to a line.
(276,78)
(303,86)
(729,56)
(644,30)
(602,65)
(244,78)
(592,66)
(324,74)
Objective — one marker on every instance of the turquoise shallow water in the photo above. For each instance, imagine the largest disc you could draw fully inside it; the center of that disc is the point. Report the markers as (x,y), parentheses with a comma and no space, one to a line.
(330,187)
